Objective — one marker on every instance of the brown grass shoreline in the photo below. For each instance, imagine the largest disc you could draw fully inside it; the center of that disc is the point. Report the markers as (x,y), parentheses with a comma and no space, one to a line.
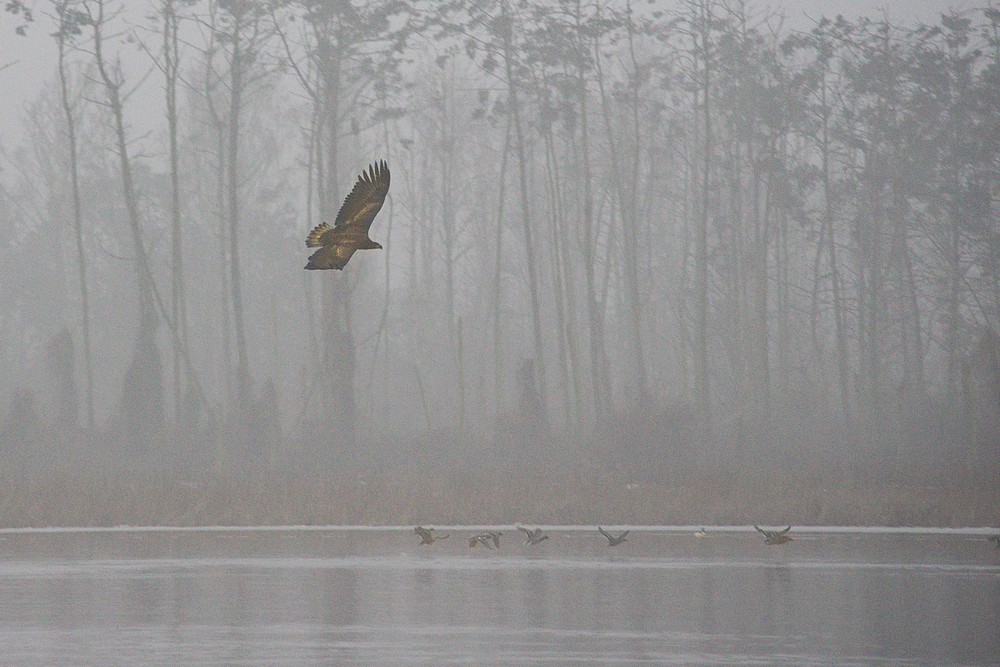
(561,495)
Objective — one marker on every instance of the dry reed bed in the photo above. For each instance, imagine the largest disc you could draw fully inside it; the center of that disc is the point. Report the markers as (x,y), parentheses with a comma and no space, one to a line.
(547,495)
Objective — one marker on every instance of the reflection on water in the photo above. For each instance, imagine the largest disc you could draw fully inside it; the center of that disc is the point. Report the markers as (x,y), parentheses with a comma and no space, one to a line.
(345,597)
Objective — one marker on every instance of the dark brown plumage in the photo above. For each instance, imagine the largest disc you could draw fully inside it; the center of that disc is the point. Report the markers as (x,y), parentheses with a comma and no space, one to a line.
(350,231)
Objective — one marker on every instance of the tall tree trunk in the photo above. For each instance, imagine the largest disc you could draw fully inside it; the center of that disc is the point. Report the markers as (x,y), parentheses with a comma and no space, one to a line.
(445,155)
(761,386)
(376,406)
(112,88)
(210,83)
(701,379)
(840,334)
(869,231)
(67,107)
(563,236)
(599,367)
(905,287)
(236,86)
(178,309)
(339,353)
(741,227)
(498,355)
(459,353)
(143,392)
(627,195)
(954,259)
(785,352)
(533,277)
(557,216)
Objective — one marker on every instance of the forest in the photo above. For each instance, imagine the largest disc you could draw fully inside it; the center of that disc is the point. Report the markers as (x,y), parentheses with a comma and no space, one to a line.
(643,261)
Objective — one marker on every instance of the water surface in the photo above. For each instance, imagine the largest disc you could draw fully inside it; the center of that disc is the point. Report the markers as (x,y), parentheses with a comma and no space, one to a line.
(373,597)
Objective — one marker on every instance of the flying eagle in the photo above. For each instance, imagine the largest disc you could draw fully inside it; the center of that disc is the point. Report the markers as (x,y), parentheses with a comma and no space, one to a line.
(350,231)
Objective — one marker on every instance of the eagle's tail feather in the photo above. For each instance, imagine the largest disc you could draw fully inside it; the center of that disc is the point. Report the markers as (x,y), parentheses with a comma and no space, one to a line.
(312,241)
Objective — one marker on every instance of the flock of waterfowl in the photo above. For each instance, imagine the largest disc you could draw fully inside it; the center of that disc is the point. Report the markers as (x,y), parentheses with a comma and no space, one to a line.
(491,538)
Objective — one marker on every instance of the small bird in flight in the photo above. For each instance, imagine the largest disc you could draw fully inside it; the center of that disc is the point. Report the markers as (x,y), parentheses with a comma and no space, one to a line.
(483,539)
(350,230)
(427,536)
(533,536)
(613,540)
(775,536)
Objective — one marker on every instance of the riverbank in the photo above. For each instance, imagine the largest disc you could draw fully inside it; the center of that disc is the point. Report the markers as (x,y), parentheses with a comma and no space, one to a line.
(858,496)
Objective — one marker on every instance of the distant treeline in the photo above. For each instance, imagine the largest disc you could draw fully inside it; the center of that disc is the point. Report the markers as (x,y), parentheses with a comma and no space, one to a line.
(652,239)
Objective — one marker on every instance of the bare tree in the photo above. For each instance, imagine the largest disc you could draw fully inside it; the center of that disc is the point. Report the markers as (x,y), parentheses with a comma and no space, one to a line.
(70,21)
(505,26)
(700,20)
(178,306)
(143,392)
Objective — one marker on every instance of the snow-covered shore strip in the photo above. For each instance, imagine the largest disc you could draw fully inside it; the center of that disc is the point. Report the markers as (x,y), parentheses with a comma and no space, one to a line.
(905,530)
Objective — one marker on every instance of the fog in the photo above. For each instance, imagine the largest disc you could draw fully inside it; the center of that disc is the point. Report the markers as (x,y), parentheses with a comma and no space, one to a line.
(625,243)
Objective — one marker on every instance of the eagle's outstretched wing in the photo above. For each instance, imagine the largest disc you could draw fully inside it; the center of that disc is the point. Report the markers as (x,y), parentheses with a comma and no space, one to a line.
(350,231)
(365,201)
(332,256)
